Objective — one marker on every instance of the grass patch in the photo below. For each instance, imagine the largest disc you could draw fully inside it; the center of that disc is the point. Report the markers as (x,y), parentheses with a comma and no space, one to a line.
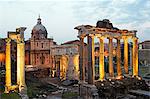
(67,95)
(10,96)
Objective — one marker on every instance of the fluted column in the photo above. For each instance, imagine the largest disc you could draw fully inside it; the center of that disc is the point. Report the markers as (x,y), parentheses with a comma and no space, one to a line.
(101,59)
(126,55)
(135,56)
(119,72)
(8,66)
(21,64)
(91,61)
(111,69)
(82,59)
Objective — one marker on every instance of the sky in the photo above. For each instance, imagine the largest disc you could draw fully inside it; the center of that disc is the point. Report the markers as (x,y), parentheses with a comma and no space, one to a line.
(61,16)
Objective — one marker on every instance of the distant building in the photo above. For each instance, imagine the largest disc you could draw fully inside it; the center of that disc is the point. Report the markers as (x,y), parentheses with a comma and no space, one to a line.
(144,53)
(39,45)
(37,48)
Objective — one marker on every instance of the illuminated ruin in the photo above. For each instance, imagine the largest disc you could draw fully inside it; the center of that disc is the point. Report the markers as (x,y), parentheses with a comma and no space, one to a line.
(104,29)
(65,61)
(17,36)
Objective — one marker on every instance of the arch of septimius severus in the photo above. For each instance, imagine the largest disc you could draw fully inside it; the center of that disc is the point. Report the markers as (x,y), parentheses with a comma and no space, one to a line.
(109,33)
(17,36)
(65,61)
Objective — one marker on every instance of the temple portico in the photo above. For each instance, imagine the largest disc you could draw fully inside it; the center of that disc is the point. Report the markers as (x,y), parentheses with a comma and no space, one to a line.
(92,32)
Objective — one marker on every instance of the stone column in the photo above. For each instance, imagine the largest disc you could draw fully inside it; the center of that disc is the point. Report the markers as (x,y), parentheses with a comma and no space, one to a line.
(8,66)
(76,66)
(135,56)
(126,55)
(81,59)
(119,72)
(111,69)
(91,63)
(21,65)
(18,62)
(101,59)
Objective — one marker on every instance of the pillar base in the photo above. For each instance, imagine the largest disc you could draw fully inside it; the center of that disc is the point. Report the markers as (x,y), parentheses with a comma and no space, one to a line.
(6,89)
(119,77)
(111,78)
(23,89)
(136,76)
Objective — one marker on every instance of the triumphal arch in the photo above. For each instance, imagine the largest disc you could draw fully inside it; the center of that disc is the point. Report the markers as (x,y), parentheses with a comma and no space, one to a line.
(105,30)
(18,37)
(65,61)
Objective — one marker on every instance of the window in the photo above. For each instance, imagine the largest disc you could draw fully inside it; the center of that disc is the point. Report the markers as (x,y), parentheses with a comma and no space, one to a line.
(37,44)
(42,45)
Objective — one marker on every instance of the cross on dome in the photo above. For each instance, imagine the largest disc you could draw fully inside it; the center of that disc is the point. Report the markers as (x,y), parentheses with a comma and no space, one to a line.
(39,20)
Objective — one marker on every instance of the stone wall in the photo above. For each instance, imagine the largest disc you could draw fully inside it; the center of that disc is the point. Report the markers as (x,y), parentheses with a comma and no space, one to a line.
(144,56)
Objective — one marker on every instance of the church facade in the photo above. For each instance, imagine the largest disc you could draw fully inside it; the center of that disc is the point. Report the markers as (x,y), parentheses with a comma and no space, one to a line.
(40,46)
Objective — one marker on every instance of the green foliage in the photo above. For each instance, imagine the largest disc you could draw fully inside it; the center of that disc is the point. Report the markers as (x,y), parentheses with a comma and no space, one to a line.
(10,96)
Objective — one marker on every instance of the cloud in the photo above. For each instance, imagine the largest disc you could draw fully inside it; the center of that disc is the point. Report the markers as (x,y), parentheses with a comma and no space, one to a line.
(129,14)
(61,16)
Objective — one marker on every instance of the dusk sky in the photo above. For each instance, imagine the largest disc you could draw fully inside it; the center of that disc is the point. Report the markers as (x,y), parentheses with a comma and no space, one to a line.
(61,16)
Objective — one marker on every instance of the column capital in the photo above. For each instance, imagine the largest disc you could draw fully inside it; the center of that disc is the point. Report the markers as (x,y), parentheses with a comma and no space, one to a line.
(20,40)
(110,37)
(8,40)
(101,37)
(125,37)
(135,38)
(81,37)
(91,35)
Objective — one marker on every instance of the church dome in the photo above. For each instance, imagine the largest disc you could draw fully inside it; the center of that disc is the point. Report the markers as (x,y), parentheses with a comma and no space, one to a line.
(39,31)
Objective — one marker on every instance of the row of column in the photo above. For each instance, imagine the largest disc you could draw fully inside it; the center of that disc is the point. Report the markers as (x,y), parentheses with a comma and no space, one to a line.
(20,65)
(91,61)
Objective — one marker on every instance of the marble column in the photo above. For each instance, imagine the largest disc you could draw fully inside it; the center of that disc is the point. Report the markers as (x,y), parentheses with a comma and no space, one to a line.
(8,66)
(135,56)
(118,52)
(91,63)
(18,61)
(101,59)
(111,69)
(21,65)
(126,55)
(82,59)
(76,66)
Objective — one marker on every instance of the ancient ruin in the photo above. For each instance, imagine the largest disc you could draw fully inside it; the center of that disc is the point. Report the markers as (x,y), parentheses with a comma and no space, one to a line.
(17,36)
(65,61)
(105,29)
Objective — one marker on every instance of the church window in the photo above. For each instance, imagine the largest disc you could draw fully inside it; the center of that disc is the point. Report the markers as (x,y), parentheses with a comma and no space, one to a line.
(37,44)
(42,45)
